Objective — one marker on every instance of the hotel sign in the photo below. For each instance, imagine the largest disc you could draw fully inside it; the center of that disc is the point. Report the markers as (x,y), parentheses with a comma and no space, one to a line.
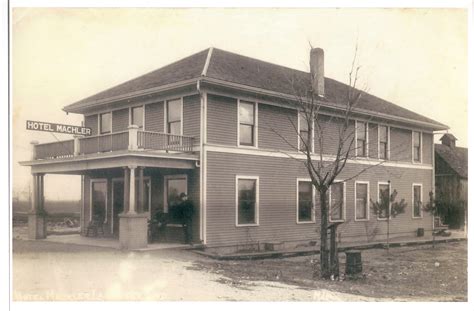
(58,128)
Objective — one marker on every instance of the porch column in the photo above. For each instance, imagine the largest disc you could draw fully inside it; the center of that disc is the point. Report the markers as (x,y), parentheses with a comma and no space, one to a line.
(37,216)
(133,233)
(126,189)
(133,208)
(140,190)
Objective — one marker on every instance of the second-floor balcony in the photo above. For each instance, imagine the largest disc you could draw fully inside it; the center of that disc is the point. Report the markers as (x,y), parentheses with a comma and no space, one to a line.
(132,139)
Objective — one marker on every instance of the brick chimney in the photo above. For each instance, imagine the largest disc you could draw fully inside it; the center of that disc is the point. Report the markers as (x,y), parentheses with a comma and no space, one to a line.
(449,140)
(316,63)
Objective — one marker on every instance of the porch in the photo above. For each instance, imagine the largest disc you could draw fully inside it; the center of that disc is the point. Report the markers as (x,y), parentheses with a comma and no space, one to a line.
(124,188)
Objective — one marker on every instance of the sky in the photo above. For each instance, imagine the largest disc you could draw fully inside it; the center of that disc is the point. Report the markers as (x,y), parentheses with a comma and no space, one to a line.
(415,58)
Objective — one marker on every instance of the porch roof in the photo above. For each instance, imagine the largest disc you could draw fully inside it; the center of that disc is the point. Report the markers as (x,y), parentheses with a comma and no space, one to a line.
(82,163)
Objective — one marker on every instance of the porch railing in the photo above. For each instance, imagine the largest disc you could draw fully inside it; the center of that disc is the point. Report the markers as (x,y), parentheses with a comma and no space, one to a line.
(164,141)
(55,150)
(132,139)
(103,143)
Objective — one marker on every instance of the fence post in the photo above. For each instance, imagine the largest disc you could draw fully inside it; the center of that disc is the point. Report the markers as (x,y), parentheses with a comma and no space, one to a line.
(77,146)
(133,137)
(33,144)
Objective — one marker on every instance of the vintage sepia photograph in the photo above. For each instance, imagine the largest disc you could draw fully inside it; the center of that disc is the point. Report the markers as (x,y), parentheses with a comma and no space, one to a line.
(239,154)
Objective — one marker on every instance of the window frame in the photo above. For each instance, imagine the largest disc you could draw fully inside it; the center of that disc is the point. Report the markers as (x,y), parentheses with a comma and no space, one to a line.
(366,139)
(313,193)
(166,115)
(379,183)
(166,178)
(100,122)
(130,116)
(311,139)
(255,125)
(388,142)
(367,208)
(343,212)
(257,200)
(420,161)
(413,200)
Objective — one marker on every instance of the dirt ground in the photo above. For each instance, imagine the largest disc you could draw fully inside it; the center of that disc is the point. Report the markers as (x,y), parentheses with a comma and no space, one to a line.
(418,273)
(45,271)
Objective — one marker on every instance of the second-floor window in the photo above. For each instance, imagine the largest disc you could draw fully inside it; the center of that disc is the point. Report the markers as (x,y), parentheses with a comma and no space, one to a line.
(246,123)
(383,142)
(361,142)
(416,146)
(137,116)
(105,123)
(173,117)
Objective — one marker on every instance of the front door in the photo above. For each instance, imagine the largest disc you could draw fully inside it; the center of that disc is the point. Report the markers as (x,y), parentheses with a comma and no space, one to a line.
(175,185)
(117,203)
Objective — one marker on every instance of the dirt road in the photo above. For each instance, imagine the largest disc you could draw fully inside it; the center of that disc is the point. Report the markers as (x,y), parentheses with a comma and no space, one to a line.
(48,271)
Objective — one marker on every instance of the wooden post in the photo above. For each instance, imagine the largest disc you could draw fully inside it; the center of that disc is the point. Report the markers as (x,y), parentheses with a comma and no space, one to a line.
(133,137)
(140,190)
(132,206)
(126,189)
(34,193)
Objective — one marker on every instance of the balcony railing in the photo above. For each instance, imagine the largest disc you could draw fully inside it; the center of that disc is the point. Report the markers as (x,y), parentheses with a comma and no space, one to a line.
(133,140)
(164,141)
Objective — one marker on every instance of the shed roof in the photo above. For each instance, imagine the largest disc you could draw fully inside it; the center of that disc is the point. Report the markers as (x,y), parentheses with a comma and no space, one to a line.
(455,157)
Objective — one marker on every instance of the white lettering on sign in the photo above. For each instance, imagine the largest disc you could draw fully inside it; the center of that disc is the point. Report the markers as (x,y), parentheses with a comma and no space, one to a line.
(58,128)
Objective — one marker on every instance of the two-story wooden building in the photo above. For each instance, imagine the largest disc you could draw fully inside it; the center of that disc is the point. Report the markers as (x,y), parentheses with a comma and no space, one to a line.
(222,128)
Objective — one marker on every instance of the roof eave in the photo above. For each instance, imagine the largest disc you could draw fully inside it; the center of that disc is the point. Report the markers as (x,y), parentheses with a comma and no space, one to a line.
(435,127)
(78,107)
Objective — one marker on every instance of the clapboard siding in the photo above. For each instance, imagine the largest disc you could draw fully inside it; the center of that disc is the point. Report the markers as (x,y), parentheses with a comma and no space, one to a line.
(221,120)
(277,212)
(92,122)
(154,117)
(277,128)
(427,148)
(400,144)
(120,120)
(192,117)
(329,129)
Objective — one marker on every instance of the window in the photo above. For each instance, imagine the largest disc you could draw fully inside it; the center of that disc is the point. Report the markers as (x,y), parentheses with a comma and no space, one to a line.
(417,201)
(336,197)
(247,201)
(361,142)
(305,201)
(383,142)
(384,198)
(362,200)
(105,123)
(174,186)
(304,137)
(416,146)
(137,116)
(173,120)
(246,123)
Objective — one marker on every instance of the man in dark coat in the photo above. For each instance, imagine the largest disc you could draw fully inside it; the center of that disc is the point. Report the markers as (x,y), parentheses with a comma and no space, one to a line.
(186,211)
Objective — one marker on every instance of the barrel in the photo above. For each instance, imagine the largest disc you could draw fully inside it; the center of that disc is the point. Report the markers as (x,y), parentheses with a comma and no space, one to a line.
(353,262)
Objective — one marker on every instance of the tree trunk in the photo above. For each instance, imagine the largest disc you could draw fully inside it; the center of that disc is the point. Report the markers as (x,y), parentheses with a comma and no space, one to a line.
(388,234)
(334,256)
(324,251)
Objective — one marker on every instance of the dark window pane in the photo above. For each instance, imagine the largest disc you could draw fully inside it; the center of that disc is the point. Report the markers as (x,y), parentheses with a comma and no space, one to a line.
(246,113)
(303,122)
(99,195)
(304,140)
(383,150)
(304,201)
(174,110)
(175,188)
(361,130)
(105,123)
(246,201)
(174,128)
(384,198)
(337,201)
(361,148)
(246,134)
(361,201)
(383,132)
(137,116)
(417,201)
